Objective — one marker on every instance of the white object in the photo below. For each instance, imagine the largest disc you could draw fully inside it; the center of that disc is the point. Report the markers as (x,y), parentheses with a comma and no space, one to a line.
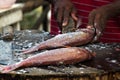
(11,17)
(6,3)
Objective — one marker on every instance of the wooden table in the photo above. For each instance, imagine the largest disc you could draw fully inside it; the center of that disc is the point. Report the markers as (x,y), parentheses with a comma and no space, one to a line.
(10,18)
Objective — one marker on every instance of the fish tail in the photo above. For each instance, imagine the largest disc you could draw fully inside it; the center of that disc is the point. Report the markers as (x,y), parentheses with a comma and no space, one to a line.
(9,68)
(30,50)
(40,46)
(93,54)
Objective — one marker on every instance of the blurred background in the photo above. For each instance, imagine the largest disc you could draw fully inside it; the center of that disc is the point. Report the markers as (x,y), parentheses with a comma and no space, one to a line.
(36,14)
(24,14)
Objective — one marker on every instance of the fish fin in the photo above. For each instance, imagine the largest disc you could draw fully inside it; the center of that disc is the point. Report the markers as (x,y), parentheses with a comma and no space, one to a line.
(26,51)
(67,46)
(9,68)
(30,50)
(1,67)
(94,54)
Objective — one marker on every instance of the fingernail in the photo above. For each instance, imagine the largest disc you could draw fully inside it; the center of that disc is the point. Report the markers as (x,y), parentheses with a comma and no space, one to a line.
(64,24)
(74,17)
(89,26)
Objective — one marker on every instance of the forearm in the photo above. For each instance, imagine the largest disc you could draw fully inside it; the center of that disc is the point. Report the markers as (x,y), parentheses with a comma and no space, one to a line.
(113,9)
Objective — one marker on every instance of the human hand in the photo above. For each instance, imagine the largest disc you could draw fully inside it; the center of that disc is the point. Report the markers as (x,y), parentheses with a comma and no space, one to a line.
(98,18)
(64,10)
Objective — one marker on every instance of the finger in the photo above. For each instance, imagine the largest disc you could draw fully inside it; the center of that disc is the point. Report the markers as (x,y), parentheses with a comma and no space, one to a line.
(65,21)
(99,24)
(76,18)
(66,16)
(91,18)
(60,16)
(78,23)
(74,14)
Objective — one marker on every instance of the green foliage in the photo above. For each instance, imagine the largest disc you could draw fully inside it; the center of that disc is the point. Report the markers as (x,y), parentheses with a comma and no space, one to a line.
(30,18)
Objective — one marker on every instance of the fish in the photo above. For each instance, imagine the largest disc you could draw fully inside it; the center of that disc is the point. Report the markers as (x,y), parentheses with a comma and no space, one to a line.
(60,56)
(72,39)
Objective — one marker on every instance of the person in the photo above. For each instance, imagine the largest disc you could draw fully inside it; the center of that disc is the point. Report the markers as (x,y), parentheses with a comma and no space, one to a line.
(103,15)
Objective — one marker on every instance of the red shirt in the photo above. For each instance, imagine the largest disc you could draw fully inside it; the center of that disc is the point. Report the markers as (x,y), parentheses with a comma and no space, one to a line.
(84,7)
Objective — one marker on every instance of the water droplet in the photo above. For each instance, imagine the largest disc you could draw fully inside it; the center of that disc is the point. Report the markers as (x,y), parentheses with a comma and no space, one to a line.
(113,61)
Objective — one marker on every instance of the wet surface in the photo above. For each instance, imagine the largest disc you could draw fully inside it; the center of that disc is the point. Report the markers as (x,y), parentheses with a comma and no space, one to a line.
(21,40)
(5,52)
(107,56)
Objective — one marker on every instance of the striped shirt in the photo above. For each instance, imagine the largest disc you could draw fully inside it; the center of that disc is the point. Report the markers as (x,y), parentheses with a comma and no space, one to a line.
(84,7)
